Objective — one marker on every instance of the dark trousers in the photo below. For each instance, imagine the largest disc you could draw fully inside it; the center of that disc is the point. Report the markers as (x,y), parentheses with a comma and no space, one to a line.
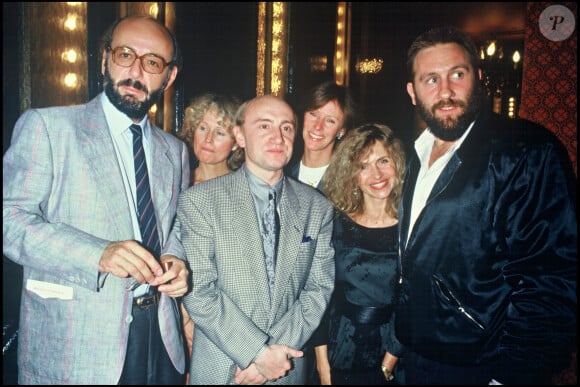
(147,361)
(359,378)
(420,370)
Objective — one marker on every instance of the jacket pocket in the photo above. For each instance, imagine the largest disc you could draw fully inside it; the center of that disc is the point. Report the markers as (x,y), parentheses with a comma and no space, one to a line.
(455,303)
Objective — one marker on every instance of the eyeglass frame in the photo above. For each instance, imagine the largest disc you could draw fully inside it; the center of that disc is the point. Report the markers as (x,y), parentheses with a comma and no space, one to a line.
(165,64)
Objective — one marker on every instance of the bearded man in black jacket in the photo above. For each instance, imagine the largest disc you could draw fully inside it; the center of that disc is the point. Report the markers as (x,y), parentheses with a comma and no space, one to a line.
(488,233)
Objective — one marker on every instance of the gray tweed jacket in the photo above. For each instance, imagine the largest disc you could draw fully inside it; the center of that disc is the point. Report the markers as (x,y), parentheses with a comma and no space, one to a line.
(230,300)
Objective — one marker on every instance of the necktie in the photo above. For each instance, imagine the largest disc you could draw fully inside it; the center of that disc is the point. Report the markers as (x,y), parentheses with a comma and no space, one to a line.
(270,223)
(145,210)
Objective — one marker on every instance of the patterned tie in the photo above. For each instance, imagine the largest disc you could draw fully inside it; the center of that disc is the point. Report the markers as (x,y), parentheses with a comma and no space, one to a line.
(270,223)
(146,212)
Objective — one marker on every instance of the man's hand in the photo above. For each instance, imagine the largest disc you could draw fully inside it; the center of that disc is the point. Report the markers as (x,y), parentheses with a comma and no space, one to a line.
(274,362)
(174,281)
(129,259)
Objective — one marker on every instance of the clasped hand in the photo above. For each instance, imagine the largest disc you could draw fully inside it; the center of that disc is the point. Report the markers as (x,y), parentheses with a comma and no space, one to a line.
(128,258)
(272,364)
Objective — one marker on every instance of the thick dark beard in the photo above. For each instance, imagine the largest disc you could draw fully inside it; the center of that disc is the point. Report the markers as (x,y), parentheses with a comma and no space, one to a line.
(134,109)
(451,130)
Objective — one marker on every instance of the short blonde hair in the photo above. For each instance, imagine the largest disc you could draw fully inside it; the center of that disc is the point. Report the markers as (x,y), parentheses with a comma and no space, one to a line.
(225,108)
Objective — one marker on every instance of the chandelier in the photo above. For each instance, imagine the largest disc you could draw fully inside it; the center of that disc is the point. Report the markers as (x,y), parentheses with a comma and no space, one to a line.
(369,66)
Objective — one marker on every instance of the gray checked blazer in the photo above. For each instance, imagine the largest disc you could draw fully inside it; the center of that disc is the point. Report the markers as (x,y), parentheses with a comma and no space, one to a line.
(230,299)
(64,201)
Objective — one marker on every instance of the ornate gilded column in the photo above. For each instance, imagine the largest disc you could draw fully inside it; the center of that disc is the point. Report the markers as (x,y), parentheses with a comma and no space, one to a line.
(272,48)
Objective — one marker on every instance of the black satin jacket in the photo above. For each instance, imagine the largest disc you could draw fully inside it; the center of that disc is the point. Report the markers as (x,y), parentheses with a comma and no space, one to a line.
(488,275)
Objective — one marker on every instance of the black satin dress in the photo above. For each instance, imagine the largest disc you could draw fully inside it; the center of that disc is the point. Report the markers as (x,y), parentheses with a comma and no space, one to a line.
(358,326)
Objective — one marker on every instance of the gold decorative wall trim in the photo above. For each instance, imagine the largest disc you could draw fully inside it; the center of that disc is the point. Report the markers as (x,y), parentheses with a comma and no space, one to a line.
(342,43)
(272,48)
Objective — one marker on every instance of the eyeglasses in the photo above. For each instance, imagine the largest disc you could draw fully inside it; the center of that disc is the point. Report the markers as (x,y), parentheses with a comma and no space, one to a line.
(151,63)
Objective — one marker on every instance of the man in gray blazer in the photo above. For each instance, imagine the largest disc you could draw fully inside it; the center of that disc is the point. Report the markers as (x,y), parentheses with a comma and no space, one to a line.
(70,220)
(246,331)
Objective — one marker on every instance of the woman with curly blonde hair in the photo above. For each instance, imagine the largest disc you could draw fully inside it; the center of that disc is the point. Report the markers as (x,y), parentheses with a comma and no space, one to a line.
(341,184)
(207,129)
(355,342)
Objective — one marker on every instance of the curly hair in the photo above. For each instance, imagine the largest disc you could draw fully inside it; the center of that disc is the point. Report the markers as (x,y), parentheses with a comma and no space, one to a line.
(340,179)
(225,108)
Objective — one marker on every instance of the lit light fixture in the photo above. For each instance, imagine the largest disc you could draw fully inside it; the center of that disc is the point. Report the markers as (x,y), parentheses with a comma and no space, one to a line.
(69,56)
(71,22)
(491,48)
(516,57)
(318,63)
(154,10)
(511,107)
(369,66)
(71,80)
(501,74)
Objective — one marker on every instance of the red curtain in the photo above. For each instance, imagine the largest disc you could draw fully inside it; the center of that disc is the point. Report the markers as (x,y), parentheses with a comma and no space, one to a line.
(549,84)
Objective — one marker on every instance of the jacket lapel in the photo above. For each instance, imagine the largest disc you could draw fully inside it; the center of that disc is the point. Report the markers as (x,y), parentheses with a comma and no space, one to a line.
(407,200)
(162,183)
(445,178)
(464,155)
(291,233)
(244,220)
(95,138)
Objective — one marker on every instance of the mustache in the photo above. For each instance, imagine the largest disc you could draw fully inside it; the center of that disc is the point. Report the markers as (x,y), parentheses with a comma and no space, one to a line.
(134,84)
(449,102)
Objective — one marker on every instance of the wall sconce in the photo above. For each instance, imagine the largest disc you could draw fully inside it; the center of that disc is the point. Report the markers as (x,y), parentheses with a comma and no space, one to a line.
(369,66)
(501,75)
(70,22)
(516,59)
(490,49)
(71,80)
(70,56)
(318,63)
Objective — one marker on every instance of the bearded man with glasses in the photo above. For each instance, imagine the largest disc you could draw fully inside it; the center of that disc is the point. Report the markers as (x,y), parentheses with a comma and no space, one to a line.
(97,305)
